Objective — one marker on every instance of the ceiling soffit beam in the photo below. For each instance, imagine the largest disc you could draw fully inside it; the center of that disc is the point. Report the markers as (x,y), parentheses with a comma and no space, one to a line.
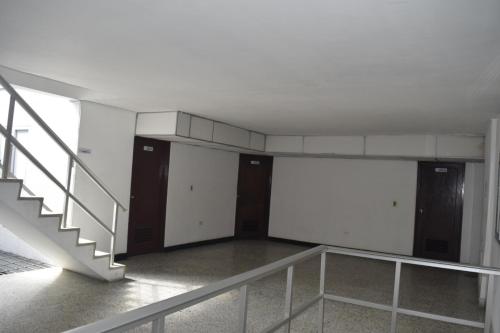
(185,127)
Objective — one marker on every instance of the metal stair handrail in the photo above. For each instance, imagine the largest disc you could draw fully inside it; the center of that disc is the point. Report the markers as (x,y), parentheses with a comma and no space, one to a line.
(73,160)
(155,313)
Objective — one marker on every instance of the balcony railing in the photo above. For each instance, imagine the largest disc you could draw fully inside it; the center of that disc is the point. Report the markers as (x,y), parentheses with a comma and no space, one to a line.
(73,160)
(155,313)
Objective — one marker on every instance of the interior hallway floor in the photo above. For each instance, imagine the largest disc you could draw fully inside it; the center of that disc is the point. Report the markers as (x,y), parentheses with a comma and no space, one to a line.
(54,300)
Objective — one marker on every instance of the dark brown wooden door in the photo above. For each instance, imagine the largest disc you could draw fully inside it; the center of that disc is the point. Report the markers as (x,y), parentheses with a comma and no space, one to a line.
(148,196)
(438,222)
(254,194)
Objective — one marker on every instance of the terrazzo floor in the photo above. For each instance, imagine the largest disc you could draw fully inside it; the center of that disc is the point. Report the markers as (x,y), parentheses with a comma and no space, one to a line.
(54,300)
(11,263)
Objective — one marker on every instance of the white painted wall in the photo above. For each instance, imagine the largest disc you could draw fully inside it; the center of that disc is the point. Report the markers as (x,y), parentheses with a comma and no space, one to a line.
(350,203)
(213,175)
(490,245)
(345,202)
(109,133)
(472,214)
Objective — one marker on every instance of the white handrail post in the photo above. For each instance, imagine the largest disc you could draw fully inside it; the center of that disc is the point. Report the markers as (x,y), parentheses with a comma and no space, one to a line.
(8,145)
(68,189)
(158,325)
(113,234)
(288,298)
(395,297)
(242,326)
(321,304)
(489,304)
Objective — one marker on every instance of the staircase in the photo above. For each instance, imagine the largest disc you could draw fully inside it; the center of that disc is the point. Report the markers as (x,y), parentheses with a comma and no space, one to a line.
(51,234)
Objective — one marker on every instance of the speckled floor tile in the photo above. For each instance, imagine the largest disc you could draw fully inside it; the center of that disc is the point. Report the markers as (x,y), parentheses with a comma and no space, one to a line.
(11,263)
(53,300)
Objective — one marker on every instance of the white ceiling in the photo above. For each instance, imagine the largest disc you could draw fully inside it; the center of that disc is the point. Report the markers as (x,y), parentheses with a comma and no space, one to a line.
(276,66)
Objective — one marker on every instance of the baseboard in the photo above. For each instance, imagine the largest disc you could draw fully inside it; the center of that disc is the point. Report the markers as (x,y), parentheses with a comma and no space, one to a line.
(292,241)
(200,243)
(121,256)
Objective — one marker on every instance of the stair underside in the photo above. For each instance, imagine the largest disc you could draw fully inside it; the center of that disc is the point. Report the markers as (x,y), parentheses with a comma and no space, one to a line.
(23,216)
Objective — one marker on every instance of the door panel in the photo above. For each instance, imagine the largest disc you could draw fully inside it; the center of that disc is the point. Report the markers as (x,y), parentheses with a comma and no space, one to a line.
(254,194)
(438,222)
(148,196)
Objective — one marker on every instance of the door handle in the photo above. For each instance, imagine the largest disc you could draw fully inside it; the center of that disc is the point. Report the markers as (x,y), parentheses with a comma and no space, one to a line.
(421,210)
(132,197)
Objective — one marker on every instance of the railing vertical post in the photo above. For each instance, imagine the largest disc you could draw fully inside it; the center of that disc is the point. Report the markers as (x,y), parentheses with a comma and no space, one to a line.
(489,304)
(321,304)
(158,325)
(68,188)
(113,235)
(242,326)
(288,298)
(8,146)
(395,297)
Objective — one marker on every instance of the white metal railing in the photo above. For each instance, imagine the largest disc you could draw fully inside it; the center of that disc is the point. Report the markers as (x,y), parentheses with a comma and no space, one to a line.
(395,309)
(155,313)
(73,160)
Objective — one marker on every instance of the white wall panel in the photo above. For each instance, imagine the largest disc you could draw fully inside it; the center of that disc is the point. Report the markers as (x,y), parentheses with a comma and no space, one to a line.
(257,141)
(345,202)
(470,249)
(342,145)
(231,135)
(285,144)
(201,128)
(183,123)
(460,146)
(401,145)
(201,201)
(157,123)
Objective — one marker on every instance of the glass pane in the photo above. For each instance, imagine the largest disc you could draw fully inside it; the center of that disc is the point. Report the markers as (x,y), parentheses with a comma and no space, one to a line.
(266,301)
(306,281)
(440,291)
(218,314)
(307,321)
(347,318)
(409,324)
(360,278)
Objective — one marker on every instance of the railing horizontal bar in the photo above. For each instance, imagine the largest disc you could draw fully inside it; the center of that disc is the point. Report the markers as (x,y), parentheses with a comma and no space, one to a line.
(145,314)
(413,261)
(413,313)
(358,302)
(301,309)
(25,152)
(446,319)
(56,138)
